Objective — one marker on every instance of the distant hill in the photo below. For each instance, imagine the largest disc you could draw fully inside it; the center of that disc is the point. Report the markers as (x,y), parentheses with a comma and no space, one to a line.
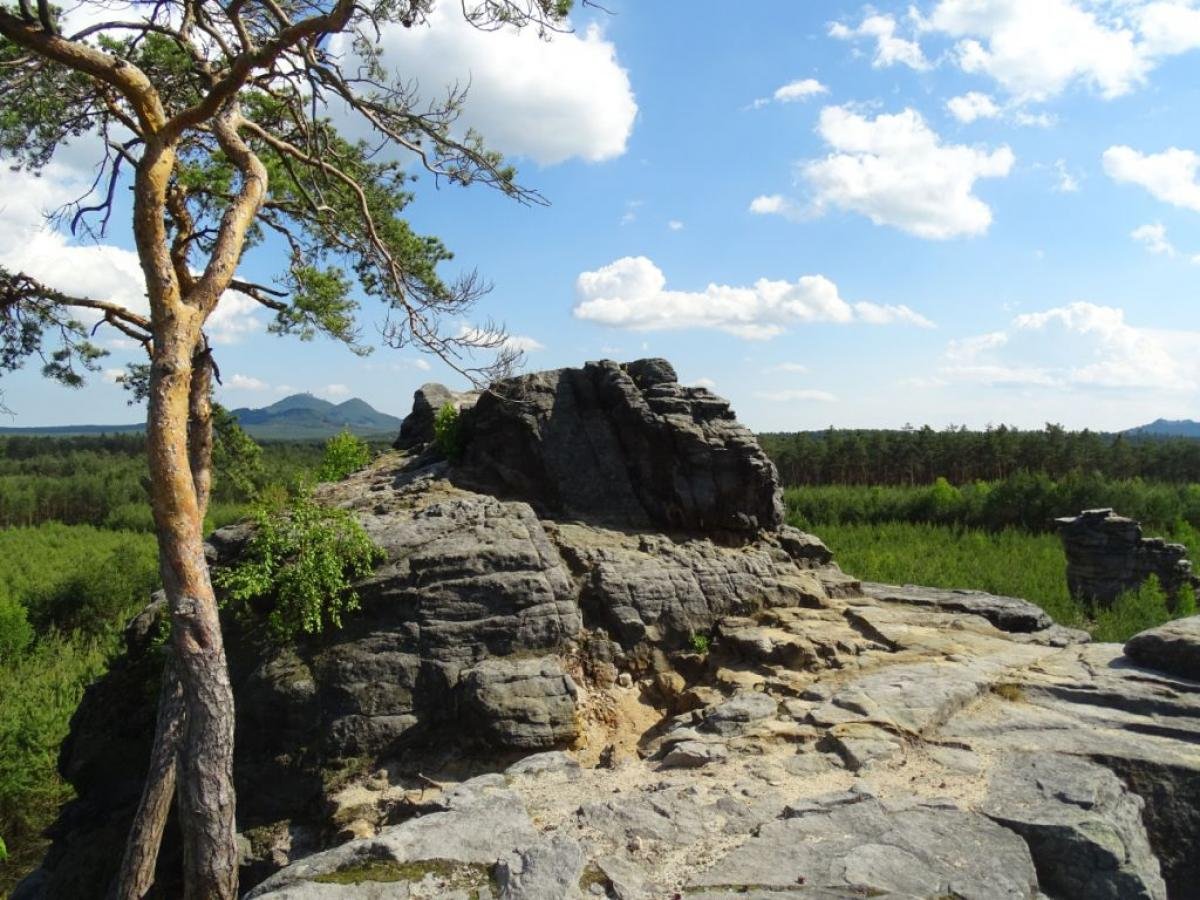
(1167,428)
(302,416)
(296,418)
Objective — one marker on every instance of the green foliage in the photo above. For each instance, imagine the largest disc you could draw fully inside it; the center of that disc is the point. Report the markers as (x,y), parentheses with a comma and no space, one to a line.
(344,453)
(1137,610)
(54,578)
(237,460)
(1021,500)
(1010,562)
(15,630)
(913,456)
(700,643)
(299,567)
(447,432)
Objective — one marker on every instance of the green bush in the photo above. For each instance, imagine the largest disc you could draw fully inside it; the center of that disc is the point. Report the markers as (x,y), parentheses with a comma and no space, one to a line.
(1134,611)
(15,630)
(344,453)
(447,432)
(299,566)
(700,643)
(40,690)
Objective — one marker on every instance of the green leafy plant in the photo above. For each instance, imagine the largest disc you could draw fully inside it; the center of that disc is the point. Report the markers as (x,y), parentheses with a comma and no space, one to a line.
(700,643)
(301,564)
(447,432)
(344,453)
(1144,607)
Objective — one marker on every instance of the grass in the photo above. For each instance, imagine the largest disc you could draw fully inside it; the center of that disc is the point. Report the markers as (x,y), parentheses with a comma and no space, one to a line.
(1010,562)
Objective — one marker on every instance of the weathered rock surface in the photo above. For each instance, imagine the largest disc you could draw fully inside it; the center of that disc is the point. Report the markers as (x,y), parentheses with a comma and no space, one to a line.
(416,430)
(1107,555)
(1173,647)
(712,707)
(1083,827)
(621,444)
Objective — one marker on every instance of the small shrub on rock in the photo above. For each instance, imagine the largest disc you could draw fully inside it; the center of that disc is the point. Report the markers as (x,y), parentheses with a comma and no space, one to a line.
(447,432)
(344,453)
(300,566)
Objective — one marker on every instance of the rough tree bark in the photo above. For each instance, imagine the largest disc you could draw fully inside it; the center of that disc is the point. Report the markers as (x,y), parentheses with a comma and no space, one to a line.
(139,863)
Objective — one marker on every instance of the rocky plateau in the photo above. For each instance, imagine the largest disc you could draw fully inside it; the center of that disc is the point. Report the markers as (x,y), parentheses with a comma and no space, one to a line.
(596,663)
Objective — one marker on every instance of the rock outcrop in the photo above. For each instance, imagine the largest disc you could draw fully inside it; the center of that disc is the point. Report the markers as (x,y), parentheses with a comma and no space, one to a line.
(624,445)
(1173,647)
(417,428)
(713,708)
(1107,555)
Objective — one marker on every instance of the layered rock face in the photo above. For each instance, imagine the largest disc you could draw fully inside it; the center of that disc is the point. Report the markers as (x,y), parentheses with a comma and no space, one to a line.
(624,445)
(1107,555)
(541,699)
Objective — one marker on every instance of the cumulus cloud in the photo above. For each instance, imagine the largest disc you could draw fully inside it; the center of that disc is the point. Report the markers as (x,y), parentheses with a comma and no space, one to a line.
(1153,236)
(239,382)
(770,204)
(895,170)
(1169,176)
(1036,49)
(971,106)
(1077,346)
(99,271)
(334,392)
(549,100)
(703,382)
(675,225)
(631,293)
(890,50)
(799,90)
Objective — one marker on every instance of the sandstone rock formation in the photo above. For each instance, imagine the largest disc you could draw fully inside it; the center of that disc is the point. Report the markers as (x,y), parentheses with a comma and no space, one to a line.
(712,707)
(1107,555)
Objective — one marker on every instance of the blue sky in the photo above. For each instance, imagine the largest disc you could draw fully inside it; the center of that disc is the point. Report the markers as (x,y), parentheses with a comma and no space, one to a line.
(953,211)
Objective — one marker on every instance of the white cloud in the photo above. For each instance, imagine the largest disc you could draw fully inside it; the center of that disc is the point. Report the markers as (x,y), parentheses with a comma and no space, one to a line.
(99,271)
(971,106)
(113,376)
(1033,120)
(795,368)
(799,90)
(703,382)
(239,382)
(889,49)
(896,170)
(1036,49)
(334,392)
(630,215)
(1170,176)
(675,225)
(1154,238)
(631,293)
(770,204)
(548,99)
(1068,181)
(796,394)
(1079,346)
(518,342)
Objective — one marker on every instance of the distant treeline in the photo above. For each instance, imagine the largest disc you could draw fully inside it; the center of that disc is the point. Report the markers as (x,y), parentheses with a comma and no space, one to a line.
(918,456)
(1025,500)
(101,480)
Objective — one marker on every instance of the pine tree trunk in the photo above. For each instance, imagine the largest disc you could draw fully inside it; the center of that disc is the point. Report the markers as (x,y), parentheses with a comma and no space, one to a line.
(149,823)
(145,835)
(205,758)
